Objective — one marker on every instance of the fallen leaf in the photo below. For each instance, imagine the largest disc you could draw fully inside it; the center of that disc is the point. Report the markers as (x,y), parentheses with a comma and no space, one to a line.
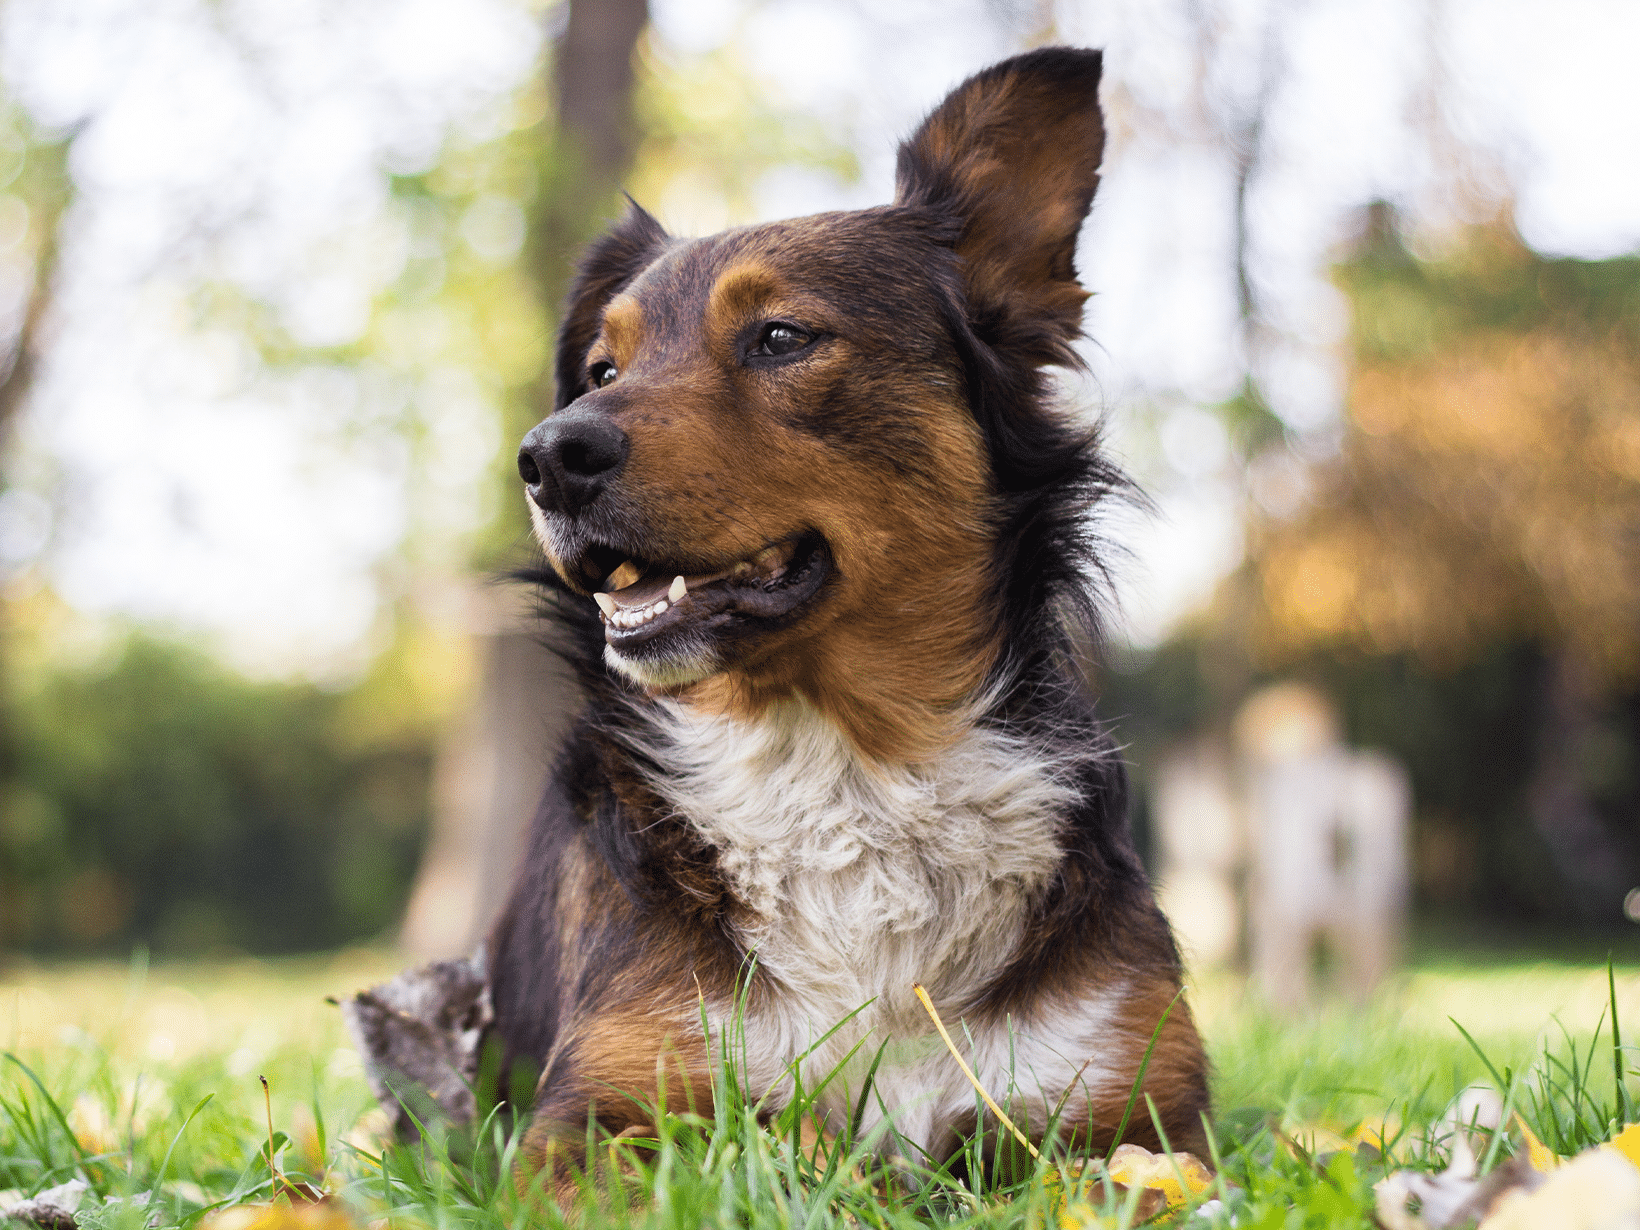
(53,1209)
(1417,1200)
(1178,1176)
(1627,1142)
(1542,1157)
(300,1192)
(281,1215)
(418,1034)
(1596,1190)
(1376,1136)
(1076,1198)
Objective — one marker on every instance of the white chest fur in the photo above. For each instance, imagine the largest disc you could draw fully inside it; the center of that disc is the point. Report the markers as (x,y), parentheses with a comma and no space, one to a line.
(861,880)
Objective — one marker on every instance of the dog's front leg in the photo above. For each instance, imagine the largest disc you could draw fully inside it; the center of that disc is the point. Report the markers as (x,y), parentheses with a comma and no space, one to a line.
(616,1071)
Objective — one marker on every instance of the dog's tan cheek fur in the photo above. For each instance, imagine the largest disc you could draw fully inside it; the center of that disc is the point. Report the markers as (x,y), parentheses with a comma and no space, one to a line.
(906,630)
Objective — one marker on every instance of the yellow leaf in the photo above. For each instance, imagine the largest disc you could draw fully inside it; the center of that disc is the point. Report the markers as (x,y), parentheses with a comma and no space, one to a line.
(1375,1135)
(1074,1200)
(1178,1177)
(1627,1142)
(1541,1156)
(281,1215)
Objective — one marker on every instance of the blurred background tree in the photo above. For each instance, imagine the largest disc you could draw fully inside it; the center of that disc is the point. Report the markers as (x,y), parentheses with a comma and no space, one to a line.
(1487,496)
(1462,576)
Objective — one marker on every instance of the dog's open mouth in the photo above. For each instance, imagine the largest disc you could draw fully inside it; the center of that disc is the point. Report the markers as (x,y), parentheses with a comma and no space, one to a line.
(643,600)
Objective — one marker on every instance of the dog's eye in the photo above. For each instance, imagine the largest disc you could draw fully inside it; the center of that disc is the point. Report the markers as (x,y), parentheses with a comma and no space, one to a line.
(601,374)
(779,339)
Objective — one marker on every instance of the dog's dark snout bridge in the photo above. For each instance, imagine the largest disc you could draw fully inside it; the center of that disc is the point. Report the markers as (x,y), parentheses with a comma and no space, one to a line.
(567,459)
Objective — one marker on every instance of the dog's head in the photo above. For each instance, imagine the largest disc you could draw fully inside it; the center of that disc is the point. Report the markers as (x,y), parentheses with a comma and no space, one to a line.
(812,456)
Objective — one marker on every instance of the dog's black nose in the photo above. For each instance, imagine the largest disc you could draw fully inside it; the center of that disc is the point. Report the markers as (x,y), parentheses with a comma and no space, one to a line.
(567,458)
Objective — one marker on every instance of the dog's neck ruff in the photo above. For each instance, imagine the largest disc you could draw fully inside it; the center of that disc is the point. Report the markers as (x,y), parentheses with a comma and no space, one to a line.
(840,861)
(858,880)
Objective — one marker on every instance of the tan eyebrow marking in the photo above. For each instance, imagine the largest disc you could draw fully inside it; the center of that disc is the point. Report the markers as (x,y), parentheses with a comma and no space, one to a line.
(739,292)
(623,328)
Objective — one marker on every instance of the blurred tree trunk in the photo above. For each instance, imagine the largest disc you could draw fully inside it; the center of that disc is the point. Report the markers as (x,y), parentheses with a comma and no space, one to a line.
(23,355)
(45,188)
(492,771)
(1558,794)
(593,141)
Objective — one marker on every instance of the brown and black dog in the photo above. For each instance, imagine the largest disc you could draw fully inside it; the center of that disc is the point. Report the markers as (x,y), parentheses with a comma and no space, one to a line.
(826,539)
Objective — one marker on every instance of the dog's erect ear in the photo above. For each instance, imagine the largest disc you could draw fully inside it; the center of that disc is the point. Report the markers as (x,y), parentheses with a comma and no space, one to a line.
(1012,155)
(609,263)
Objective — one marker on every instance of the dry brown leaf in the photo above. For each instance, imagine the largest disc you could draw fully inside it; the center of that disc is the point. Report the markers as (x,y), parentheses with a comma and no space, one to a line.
(1416,1200)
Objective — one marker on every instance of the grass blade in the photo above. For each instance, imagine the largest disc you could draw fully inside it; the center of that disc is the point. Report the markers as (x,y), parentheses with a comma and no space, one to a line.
(1139,1080)
(859,1115)
(159,1179)
(974,1080)
(56,1111)
(1476,1047)
(1617,1047)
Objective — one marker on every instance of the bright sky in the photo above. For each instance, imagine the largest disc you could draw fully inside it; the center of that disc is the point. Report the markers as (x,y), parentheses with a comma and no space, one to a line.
(162,475)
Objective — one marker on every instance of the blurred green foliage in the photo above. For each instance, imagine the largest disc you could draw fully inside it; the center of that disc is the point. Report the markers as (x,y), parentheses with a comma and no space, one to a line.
(1405,309)
(152,795)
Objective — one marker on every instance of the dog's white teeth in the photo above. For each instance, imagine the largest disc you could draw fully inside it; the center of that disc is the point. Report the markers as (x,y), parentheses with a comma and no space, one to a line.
(637,617)
(606,604)
(678,590)
(626,574)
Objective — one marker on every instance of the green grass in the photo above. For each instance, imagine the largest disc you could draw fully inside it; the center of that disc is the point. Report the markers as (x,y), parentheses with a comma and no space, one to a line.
(144,1082)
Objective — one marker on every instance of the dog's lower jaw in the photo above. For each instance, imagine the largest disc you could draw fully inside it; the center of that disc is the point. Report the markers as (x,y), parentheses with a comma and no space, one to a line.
(668,674)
